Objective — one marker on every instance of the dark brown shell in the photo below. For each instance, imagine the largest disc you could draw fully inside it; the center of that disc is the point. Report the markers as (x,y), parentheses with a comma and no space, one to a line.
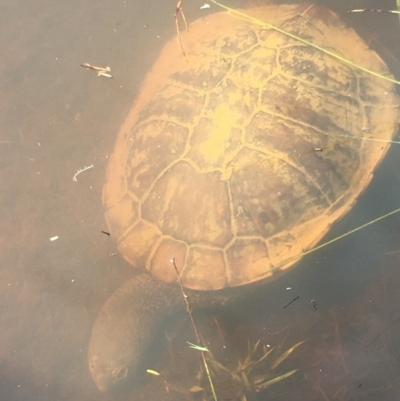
(239,159)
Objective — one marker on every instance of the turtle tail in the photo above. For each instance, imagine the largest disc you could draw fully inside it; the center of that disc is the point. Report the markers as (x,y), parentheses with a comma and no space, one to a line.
(126,326)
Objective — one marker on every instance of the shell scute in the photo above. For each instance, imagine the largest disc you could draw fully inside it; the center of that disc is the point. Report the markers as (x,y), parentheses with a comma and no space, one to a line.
(153,147)
(138,242)
(123,215)
(175,102)
(161,265)
(269,195)
(213,142)
(248,259)
(191,207)
(206,269)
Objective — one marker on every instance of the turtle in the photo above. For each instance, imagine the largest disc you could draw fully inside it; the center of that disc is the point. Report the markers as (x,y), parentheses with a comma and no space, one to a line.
(233,162)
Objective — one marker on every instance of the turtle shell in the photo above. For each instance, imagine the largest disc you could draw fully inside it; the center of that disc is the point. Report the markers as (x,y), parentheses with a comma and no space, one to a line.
(239,158)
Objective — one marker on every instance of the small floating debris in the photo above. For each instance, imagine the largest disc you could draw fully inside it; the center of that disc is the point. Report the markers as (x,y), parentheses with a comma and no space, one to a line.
(314,304)
(294,299)
(362,10)
(101,71)
(81,171)
(152,372)
(204,6)
(54,238)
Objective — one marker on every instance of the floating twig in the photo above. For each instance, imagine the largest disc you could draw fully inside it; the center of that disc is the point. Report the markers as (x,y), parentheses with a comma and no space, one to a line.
(104,74)
(361,10)
(101,71)
(105,232)
(178,10)
(316,248)
(294,299)
(382,332)
(81,171)
(196,331)
(369,139)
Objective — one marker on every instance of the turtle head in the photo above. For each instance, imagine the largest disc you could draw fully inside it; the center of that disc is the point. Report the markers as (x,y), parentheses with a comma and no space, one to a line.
(114,351)
(126,327)
(108,375)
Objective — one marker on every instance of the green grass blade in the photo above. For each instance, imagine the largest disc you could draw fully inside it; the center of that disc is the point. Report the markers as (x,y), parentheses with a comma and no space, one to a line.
(282,357)
(322,49)
(197,347)
(275,380)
